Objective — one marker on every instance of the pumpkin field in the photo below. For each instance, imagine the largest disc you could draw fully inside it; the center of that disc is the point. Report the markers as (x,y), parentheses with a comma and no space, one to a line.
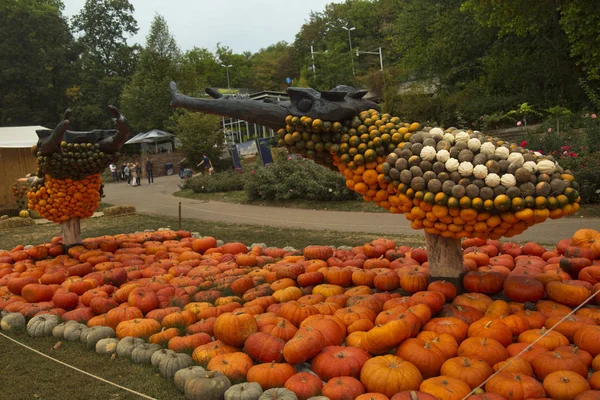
(222,320)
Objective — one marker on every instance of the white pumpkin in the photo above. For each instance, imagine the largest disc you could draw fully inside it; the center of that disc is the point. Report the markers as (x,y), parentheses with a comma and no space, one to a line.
(452,164)
(474,144)
(449,137)
(487,148)
(465,168)
(516,158)
(461,136)
(546,167)
(13,322)
(492,180)
(530,166)
(42,325)
(480,171)
(443,155)
(436,133)
(502,152)
(508,180)
(428,153)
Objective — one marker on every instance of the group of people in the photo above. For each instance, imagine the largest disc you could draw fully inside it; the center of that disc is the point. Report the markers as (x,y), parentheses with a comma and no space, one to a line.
(132,173)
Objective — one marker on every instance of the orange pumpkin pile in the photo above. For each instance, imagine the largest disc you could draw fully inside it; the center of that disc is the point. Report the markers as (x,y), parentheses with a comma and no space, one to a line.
(453,183)
(364,321)
(59,200)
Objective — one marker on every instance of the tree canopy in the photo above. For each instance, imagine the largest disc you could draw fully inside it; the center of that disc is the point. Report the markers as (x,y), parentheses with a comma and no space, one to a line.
(452,62)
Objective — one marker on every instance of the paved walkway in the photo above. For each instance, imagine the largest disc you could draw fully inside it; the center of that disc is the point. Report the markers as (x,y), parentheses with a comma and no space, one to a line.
(158,199)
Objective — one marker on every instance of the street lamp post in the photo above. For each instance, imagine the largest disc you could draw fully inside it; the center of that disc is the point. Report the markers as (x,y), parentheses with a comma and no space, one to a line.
(358,53)
(350,43)
(227,70)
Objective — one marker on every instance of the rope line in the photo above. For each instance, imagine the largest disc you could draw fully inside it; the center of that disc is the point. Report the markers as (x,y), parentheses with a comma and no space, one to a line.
(534,342)
(79,370)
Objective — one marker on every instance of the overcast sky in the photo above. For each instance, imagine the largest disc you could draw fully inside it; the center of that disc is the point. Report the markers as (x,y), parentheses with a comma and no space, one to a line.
(241,25)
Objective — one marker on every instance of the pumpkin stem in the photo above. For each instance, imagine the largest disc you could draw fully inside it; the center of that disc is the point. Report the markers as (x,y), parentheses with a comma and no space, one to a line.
(466,362)
(427,345)
(564,379)
(488,323)
(413,395)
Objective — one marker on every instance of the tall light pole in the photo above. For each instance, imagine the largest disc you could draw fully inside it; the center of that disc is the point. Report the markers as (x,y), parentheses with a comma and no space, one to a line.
(350,43)
(312,54)
(227,69)
(358,53)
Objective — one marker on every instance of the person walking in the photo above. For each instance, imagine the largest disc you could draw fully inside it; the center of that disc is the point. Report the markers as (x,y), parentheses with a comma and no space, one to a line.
(138,172)
(113,172)
(127,173)
(205,164)
(133,174)
(149,171)
(122,172)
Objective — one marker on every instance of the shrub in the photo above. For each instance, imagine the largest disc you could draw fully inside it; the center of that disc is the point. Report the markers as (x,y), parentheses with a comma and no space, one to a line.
(220,182)
(296,179)
(119,210)
(585,168)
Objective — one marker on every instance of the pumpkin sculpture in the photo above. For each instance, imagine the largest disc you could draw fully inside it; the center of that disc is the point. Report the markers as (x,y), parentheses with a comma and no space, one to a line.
(68,186)
(451,183)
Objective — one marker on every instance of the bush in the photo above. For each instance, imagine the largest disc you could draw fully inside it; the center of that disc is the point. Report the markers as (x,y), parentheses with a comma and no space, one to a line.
(296,179)
(119,210)
(219,182)
(585,168)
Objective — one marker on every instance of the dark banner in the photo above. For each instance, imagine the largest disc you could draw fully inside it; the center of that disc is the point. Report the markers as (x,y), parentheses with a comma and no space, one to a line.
(264,149)
(235,155)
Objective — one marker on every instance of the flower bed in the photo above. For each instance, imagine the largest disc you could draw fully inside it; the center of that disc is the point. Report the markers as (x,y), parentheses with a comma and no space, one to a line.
(363,322)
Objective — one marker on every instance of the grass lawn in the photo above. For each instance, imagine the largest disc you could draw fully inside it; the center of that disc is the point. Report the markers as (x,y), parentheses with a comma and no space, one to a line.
(248,234)
(239,197)
(27,375)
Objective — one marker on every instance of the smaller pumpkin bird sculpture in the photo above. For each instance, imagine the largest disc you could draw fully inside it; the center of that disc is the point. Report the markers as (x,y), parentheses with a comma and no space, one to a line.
(68,183)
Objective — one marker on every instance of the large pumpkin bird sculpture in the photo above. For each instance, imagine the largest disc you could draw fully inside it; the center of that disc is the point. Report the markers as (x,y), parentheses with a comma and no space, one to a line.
(451,183)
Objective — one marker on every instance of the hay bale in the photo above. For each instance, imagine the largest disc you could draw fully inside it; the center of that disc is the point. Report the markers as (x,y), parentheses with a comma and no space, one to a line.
(119,210)
(16,222)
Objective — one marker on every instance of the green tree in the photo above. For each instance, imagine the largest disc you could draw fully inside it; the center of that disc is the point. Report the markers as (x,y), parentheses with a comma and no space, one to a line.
(271,66)
(106,63)
(240,72)
(36,56)
(580,20)
(199,69)
(568,29)
(199,134)
(145,100)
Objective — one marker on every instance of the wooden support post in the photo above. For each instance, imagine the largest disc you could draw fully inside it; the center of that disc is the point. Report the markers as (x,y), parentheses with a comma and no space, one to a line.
(445,259)
(71,232)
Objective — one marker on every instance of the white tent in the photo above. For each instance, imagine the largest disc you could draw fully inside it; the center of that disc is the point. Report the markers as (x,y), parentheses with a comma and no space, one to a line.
(19,136)
(153,136)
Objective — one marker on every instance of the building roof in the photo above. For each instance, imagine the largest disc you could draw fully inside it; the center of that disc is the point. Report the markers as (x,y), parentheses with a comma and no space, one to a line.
(19,136)
(152,136)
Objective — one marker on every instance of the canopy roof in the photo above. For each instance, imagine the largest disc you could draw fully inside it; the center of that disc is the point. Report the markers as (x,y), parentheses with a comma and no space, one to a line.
(153,136)
(19,136)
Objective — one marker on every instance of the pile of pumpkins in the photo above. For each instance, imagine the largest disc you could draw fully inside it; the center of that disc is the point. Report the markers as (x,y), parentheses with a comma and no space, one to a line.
(455,183)
(224,320)
(59,200)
